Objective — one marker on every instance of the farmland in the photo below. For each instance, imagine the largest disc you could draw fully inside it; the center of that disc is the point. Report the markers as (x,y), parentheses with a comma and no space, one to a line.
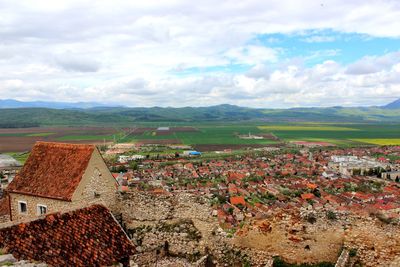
(208,136)
(22,139)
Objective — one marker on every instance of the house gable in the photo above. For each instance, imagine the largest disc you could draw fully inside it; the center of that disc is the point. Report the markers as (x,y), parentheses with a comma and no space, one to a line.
(97,181)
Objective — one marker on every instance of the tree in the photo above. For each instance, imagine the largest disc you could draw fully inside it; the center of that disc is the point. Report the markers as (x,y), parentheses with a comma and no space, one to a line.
(331,215)
(133,165)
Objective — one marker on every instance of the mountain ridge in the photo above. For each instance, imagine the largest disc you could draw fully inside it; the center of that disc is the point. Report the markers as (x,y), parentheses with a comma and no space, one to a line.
(393,105)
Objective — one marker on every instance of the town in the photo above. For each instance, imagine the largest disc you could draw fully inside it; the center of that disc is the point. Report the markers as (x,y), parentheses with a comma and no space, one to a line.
(232,196)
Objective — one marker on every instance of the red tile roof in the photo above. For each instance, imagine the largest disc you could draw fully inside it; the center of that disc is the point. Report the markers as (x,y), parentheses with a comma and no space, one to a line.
(52,170)
(307,196)
(4,206)
(237,200)
(85,237)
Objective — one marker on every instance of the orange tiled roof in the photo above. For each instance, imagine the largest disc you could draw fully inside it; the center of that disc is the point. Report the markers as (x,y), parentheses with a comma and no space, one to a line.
(84,237)
(4,206)
(52,170)
(237,200)
(307,196)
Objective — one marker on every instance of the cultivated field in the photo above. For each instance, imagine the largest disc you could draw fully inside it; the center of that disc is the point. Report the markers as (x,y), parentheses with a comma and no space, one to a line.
(209,137)
(22,139)
(338,134)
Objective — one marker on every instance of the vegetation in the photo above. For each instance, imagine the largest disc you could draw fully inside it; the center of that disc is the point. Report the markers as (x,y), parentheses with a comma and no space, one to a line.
(21,157)
(331,215)
(30,117)
(279,262)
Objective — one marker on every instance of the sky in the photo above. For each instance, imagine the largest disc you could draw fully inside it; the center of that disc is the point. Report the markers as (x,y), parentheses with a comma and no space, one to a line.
(264,54)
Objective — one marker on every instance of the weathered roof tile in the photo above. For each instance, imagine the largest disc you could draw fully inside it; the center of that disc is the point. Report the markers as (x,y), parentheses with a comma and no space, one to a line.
(84,237)
(52,170)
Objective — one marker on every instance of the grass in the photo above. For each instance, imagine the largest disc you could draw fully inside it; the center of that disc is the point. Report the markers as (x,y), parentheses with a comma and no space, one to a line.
(345,134)
(378,134)
(221,135)
(21,157)
(305,128)
(218,134)
(379,141)
(39,134)
(86,137)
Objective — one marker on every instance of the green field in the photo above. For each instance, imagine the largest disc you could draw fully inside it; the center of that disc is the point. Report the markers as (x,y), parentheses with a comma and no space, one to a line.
(226,134)
(305,128)
(40,134)
(212,134)
(379,141)
(339,134)
(85,137)
(21,157)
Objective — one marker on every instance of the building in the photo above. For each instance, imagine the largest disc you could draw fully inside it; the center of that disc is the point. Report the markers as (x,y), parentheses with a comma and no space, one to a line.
(85,237)
(59,177)
(9,167)
(349,165)
(392,175)
(7,162)
(163,129)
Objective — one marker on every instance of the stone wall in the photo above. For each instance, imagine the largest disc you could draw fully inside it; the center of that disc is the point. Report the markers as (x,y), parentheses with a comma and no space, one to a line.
(53,205)
(4,218)
(376,243)
(184,221)
(97,184)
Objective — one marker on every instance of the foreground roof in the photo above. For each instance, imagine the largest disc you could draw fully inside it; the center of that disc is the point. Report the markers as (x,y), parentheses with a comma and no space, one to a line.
(52,170)
(85,237)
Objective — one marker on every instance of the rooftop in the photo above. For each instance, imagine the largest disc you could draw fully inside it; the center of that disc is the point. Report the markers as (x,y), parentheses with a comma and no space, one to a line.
(70,239)
(52,170)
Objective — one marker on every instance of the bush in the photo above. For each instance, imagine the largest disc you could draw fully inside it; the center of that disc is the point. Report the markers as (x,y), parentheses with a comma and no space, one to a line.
(311,218)
(331,215)
(278,262)
(353,252)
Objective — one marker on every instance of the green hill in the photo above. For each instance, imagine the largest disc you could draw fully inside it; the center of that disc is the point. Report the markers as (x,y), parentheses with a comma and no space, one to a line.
(23,117)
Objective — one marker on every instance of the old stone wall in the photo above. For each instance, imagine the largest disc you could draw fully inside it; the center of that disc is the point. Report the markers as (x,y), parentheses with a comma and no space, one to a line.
(376,243)
(4,218)
(183,221)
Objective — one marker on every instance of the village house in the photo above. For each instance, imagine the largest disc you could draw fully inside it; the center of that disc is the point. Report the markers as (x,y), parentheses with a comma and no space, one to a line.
(59,177)
(9,167)
(392,175)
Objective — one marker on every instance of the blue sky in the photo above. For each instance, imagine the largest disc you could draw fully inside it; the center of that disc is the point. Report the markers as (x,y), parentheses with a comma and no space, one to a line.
(309,48)
(273,54)
(348,47)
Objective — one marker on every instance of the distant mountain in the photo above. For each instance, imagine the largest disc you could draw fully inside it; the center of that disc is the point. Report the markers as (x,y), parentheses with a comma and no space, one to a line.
(393,105)
(11,103)
(75,114)
(126,117)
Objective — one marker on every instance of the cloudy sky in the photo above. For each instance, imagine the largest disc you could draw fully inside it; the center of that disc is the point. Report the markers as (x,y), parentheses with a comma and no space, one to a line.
(265,53)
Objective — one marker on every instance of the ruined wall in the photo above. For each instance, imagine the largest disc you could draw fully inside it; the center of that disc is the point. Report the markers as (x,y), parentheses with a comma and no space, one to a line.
(186,223)
(376,243)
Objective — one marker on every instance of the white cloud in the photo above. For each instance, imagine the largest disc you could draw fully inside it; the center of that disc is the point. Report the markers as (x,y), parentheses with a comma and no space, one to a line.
(130,52)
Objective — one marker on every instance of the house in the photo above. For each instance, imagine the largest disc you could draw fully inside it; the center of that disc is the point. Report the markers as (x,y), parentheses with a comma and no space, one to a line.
(60,177)
(238,200)
(307,196)
(85,237)
(392,175)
